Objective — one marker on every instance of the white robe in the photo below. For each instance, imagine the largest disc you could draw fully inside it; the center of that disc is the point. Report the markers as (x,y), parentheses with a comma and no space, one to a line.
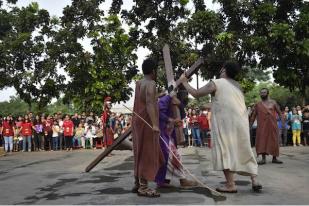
(230,130)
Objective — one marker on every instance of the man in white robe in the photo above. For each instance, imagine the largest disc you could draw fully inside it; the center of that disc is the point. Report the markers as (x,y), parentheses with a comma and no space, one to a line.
(231,151)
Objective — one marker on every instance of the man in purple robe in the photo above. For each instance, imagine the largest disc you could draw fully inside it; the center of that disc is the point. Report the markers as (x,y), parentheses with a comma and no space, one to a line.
(167,124)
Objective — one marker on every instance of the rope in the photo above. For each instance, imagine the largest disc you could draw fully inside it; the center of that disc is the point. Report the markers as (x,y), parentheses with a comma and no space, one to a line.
(214,192)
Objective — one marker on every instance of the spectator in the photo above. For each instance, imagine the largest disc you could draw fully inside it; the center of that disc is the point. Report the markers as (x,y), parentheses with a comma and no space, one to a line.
(79,135)
(195,126)
(76,120)
(61,136)
(90,133)
(38,133)
(48,132)
(185,123)
(296,127)
(68,128)
(7,131)
(204,126)
(56,130)
(26,131)
(306,126)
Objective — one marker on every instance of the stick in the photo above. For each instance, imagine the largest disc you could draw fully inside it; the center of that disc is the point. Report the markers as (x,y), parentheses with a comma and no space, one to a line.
(197,180)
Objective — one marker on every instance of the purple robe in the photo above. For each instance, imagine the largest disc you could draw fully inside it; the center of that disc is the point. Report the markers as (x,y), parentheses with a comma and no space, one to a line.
(164,114)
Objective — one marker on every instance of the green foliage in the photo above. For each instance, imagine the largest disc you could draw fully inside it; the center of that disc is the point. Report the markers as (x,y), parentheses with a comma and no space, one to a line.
(27,60)
(107,71)
(283,96)
(15,107)
(199,103)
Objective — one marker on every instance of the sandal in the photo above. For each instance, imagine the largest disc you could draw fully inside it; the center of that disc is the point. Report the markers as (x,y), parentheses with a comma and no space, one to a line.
(257,187)
(226,190)
(276,161)
(135,189)
(184,183)
(147,192)
(262,162)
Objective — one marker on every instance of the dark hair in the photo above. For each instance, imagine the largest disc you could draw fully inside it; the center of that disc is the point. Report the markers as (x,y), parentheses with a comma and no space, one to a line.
(265,89)
(232,69)
(148,66)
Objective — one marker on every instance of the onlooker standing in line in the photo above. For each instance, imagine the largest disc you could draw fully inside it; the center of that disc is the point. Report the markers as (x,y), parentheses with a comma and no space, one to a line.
(7,131)
(56,130)
(296,127)
(38,130)
(61,136)
(195,126)
(48,132)
(306,126)
(26,131)
(204,126)
(68,129)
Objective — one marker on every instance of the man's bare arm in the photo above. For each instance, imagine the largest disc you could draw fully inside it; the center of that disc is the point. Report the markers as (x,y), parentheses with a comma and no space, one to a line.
(252,116)
(277,108)
(151,105)
(203,91)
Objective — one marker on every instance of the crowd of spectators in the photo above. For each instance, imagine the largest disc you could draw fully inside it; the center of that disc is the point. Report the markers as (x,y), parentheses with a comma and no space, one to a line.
(294,131)
(57,131)
(64,132)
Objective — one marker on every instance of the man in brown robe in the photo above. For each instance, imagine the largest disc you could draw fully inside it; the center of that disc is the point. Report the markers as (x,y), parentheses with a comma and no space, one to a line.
(267,142)
(148,157)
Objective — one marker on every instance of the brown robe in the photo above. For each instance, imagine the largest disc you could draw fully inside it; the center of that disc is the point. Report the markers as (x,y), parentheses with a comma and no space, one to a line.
(267,131)
(148,157)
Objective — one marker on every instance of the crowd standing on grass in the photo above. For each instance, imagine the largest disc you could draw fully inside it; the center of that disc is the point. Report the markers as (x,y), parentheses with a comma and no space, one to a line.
(57,131)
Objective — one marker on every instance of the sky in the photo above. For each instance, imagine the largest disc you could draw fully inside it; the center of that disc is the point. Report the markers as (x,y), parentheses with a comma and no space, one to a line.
(55,8)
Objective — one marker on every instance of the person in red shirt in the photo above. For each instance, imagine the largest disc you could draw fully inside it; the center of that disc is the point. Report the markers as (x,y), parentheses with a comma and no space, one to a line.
(204,125)
(7,131)
(48,132)
(68,129)
(195,127)
(26,132)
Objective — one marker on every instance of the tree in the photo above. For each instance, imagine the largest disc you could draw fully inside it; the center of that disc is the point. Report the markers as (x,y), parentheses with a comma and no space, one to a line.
(280,31)
(282,95)
(27,60)
(157,22)
(108,69)
(15,107)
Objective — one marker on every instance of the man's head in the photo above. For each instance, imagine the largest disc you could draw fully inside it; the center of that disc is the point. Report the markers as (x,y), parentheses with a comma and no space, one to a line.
(264,92)
(149,67)
(230,69)
(286,109)
(107,103)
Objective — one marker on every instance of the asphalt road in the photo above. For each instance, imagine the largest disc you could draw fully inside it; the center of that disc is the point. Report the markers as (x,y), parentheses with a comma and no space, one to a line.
(59,178)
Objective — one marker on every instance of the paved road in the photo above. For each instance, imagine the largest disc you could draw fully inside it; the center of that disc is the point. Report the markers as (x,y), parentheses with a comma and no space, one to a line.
(59,178)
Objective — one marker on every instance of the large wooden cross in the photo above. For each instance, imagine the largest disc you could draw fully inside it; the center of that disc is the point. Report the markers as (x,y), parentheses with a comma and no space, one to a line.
(172,86)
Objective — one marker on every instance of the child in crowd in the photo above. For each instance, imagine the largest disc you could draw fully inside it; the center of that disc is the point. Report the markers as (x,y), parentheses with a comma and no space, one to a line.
(296,127)
(56,130)
(79,135)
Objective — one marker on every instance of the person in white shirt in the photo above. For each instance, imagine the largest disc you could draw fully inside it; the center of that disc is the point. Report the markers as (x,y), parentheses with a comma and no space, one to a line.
(55,136)
(90,133)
